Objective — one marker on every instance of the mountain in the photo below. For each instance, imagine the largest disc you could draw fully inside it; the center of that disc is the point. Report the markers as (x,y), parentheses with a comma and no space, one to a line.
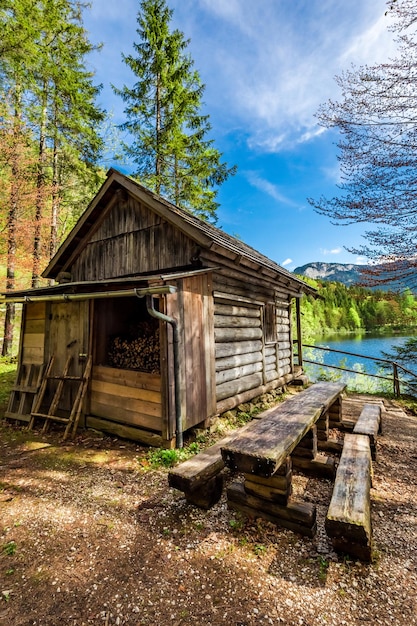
(350,274)
(346,273)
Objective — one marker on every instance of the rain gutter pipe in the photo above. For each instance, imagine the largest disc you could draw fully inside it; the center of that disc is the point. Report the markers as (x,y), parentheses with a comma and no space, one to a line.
(72,297)
(174,325)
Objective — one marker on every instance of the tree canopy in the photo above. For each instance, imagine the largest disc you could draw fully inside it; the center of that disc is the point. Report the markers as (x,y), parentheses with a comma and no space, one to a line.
(170,136)
(376,116)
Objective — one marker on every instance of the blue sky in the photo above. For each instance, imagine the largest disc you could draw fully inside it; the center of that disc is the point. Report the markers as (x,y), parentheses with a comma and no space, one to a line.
(267,66)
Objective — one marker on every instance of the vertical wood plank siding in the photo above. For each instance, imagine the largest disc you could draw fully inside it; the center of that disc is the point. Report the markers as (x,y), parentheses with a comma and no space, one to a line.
(33,341)
(131,239)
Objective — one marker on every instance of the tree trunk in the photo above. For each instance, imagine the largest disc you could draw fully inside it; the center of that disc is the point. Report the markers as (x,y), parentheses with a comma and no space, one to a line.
(40,185)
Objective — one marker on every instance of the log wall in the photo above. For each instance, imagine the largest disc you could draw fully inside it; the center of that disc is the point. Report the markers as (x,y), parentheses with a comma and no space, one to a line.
(245,363)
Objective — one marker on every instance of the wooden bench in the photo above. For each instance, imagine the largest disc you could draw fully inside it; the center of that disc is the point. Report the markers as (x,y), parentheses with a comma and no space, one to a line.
(266,451)
(369,423)
(264,446)
(348,520)
(200,478)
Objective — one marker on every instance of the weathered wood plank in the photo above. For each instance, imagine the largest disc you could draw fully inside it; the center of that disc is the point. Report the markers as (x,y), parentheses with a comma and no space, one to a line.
(223,350)
(246,396)
(191,474)
(224,335)
(237,311)
(118,390)
(237,372)
(226,321)
(234,387)
(126,432)
(263,447)
(369,423)
(130,378)
(296,515)
(348,520)
(238,360)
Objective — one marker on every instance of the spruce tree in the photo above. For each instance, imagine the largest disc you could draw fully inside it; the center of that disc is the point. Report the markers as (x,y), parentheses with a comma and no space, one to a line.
(170,144)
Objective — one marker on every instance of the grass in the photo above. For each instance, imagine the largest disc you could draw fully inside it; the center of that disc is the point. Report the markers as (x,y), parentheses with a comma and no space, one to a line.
(8,370)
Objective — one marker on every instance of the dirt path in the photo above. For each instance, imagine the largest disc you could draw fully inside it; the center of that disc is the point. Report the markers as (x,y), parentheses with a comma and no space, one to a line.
(91,535)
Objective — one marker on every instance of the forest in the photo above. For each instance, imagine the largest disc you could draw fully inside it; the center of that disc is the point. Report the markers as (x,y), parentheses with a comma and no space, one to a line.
(345,309)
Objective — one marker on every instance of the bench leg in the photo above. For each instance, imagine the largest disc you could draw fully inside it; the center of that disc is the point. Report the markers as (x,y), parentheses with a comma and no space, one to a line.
(206,495)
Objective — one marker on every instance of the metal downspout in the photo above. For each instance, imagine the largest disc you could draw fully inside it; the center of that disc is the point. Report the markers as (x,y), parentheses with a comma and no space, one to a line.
(174,324)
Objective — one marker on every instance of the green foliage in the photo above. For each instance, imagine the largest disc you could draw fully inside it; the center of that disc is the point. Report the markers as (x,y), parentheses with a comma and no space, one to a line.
(7,378)
(9,548)
(160,457)
(346,309)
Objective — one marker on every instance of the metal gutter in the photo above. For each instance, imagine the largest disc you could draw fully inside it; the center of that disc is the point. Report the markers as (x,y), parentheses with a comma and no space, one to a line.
(174,324)
(71,297)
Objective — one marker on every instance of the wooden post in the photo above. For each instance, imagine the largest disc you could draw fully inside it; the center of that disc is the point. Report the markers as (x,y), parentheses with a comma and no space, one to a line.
(397,391)
(299,340)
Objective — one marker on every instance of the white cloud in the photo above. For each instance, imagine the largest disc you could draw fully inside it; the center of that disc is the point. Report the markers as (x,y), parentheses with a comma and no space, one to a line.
(326,252)
(286,262)
(267,65)
(271,64)
(268,188)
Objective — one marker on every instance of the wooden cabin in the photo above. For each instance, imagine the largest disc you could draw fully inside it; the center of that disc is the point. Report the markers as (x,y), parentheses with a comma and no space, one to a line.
(169,320)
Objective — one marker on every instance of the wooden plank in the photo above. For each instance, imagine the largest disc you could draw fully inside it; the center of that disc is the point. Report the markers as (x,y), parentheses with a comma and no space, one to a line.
(238,360)
(267,492)
(348,520)
(209,345)
(223,350)
(237,311)
(35,311)
(125,431)
(296,515)
(119,390)
(234,387)
(194,472)
(237,372)
(369,423)
(122,415)
(129,378)
(226,321)
(224,335)
(247,396)
(132,405)
(36,326)
(264,447)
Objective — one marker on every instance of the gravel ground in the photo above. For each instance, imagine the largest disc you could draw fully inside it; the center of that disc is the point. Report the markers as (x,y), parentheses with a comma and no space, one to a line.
(90,534)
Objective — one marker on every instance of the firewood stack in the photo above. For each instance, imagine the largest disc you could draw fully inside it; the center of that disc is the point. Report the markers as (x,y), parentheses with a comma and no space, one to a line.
(138,350)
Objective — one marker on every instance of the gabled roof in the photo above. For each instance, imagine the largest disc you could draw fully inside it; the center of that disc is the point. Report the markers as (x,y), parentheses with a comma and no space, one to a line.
(203,233)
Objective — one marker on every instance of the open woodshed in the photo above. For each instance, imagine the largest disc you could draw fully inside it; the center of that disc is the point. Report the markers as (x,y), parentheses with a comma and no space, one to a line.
(157,322)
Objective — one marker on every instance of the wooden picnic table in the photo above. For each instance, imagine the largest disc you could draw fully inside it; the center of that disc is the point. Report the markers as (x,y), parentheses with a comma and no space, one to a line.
(265,445)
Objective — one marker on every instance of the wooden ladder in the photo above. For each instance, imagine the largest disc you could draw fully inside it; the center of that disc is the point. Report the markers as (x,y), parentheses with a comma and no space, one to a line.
(24,391)
(63,379)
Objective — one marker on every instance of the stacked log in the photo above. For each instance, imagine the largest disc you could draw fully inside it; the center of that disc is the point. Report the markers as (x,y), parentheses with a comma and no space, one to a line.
(276,488)
(138,350)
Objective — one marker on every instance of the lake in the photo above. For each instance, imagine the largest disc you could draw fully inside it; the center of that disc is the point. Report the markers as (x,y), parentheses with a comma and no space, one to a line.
(367,345)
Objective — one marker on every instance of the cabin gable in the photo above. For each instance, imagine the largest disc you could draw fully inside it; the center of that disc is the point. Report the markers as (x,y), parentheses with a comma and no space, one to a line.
(131,239)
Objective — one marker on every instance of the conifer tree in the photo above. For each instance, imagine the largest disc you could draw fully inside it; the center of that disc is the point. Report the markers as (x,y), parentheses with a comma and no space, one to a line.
(170,144)
(48,98)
